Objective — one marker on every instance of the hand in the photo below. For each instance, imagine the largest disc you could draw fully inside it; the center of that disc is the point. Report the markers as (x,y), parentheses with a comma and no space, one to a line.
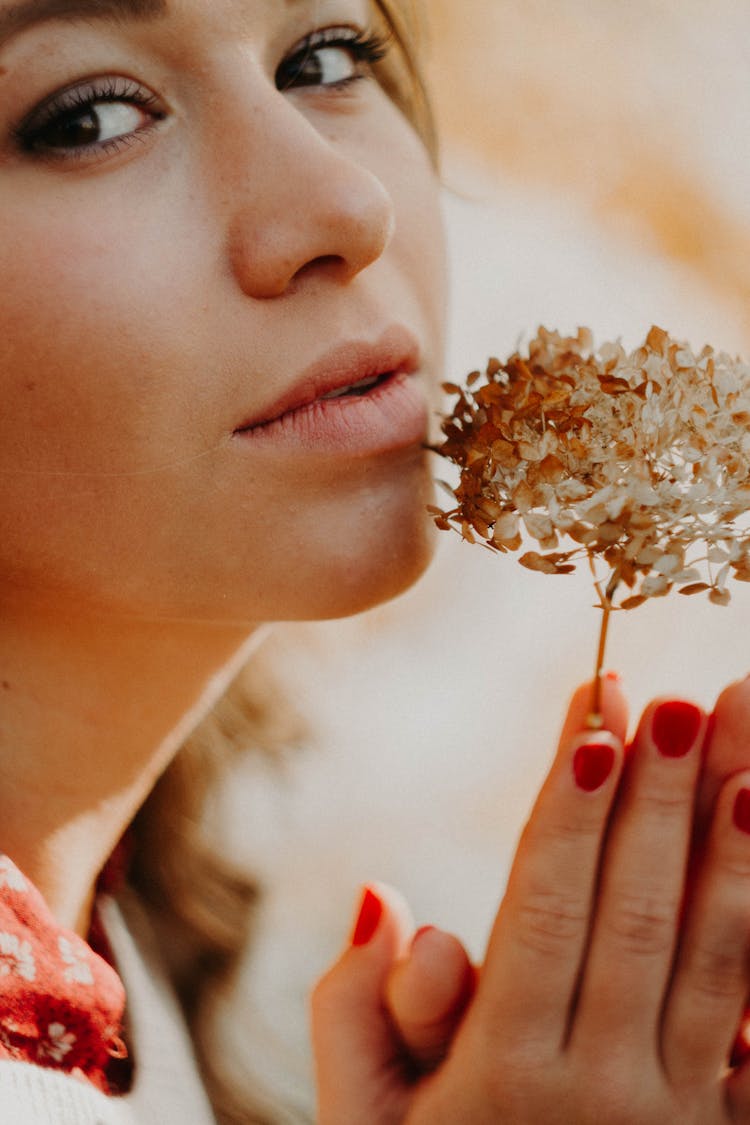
(597,998)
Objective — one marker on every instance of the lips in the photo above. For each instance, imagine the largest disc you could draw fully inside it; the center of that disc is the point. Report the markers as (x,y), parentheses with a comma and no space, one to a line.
(360,388)
(350,370)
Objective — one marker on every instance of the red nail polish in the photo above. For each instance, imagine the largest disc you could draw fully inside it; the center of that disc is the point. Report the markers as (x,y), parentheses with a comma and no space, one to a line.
(592,765)
(420,933)
(675,726)
(741,1048)
(370,913)
(741,811)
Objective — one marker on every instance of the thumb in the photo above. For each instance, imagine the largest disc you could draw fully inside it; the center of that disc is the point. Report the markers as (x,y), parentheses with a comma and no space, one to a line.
(357,1052)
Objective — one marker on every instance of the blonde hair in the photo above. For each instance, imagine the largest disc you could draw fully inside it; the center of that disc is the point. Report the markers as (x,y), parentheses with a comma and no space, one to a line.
(199,902)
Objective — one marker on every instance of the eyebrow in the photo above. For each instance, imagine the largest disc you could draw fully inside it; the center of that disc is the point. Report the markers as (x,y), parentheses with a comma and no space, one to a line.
(27,13)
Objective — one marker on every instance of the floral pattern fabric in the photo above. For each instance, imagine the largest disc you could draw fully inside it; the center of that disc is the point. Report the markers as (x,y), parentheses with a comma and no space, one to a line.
(61,1003)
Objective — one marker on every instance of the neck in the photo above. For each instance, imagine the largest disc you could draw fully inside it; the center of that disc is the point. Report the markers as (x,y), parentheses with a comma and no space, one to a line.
(91,712)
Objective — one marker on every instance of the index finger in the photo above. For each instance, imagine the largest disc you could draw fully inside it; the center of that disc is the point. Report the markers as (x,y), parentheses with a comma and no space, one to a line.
(539,938)
(614,711)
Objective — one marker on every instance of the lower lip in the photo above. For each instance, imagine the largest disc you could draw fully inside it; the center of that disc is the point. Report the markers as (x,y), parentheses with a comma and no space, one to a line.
(393,415)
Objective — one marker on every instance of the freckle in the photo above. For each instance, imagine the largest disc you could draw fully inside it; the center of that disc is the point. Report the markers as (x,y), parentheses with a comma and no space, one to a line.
(6,685)
(30,385)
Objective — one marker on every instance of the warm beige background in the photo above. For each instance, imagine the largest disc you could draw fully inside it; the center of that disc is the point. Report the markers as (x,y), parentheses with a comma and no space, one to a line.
(597,161)
(637,109)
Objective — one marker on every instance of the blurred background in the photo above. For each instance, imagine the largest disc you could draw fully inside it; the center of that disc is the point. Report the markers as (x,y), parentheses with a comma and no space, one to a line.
(595,162)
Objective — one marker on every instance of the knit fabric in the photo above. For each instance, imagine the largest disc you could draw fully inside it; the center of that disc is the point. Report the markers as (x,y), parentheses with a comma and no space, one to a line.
(166,1087)
(61,1004)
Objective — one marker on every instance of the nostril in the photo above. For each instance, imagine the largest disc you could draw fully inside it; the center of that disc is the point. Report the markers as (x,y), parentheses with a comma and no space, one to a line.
(328,265)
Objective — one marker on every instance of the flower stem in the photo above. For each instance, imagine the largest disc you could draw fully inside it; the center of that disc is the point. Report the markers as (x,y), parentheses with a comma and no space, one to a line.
(594,720)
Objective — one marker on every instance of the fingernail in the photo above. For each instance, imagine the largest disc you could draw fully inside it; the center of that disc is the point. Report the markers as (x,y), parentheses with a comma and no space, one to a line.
(420,933)
(675,726)
(741,811)
(368,919)
(613,677)
(592,765)
(741,1048)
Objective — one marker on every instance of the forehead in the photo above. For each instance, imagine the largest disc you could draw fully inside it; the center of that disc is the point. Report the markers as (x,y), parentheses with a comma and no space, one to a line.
(16,15)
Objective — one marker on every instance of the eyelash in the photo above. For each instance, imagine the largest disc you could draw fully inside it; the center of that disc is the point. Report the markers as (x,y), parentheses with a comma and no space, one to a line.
(366,49)
(75,102)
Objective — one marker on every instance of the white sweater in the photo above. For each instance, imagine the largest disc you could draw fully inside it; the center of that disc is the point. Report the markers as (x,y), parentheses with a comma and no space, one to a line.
(167,1088)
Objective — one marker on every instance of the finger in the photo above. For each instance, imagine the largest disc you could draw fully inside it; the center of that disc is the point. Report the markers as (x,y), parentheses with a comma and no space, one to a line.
(535,950)
(710,982)
(642,882)
(427,994)
(728,746)
(358,1055)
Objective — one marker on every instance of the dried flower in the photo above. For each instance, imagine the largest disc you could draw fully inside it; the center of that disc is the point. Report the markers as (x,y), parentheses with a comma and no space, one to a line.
(640,460)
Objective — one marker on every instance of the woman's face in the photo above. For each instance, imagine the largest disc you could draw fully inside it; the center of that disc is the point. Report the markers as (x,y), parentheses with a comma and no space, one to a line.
(212,223)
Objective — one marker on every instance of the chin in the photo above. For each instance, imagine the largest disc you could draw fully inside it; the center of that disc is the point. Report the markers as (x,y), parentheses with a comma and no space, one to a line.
(345,550)
(380,548)
(367,586)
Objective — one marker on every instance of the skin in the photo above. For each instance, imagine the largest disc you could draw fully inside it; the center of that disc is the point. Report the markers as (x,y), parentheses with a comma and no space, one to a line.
(602,996)
(155,296)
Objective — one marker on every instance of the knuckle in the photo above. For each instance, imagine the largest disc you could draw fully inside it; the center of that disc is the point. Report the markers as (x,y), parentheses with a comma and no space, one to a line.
(549,920)
(737,867)
(642,926)
(586,826)
(557,837)
(667,803)
(718,972)
(581,821)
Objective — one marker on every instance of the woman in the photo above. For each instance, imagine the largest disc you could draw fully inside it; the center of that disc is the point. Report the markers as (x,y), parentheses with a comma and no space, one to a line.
(222,317)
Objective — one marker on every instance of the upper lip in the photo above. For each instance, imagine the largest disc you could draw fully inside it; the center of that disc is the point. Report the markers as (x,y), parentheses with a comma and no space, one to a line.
(396,350)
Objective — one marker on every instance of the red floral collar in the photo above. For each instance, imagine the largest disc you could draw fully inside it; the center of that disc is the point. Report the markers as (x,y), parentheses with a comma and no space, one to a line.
(61,1003)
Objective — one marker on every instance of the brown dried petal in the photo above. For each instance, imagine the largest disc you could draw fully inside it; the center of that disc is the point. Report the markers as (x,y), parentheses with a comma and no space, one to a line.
(532,560)
(608,533)
(641,458)
(633,602)
(552,470)
(539,526)
(655,586)
(523,497)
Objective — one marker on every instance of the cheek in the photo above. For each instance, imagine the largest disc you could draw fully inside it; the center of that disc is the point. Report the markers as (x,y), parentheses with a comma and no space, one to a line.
(420,234)
(85,330)
(94,385)
(417,254)
(107,333)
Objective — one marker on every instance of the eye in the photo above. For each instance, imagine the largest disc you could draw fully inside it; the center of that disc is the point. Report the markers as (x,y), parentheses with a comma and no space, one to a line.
(95,117)
(333,57)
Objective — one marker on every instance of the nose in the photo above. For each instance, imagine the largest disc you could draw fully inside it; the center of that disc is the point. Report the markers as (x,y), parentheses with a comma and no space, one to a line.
(307,206)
